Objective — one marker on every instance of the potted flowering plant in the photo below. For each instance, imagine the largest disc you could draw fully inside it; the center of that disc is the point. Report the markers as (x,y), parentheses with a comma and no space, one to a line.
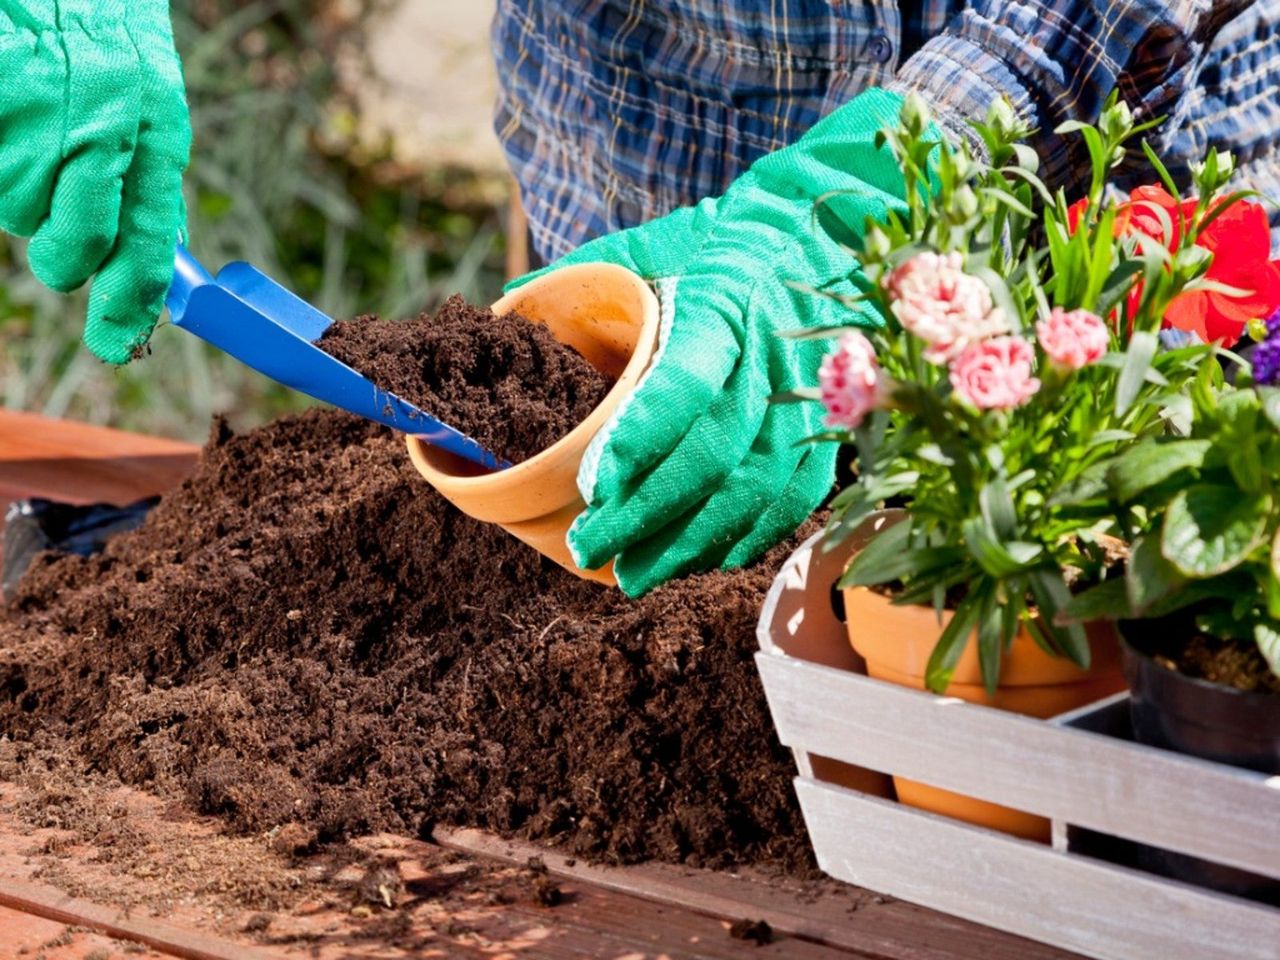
(1015,346)
(1199,600)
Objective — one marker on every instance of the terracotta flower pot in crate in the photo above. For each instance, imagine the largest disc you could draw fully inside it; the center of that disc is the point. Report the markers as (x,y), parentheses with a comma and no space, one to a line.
(610,316)
(896,641)
(844,727)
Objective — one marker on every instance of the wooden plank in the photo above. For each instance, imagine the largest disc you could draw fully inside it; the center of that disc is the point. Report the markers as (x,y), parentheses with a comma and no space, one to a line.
(847,917)
(22,935)
(80,463)
(1096,908)
(174,941)
(1154,796)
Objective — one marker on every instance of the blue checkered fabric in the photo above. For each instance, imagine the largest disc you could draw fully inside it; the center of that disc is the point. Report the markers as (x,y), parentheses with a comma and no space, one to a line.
(613,112)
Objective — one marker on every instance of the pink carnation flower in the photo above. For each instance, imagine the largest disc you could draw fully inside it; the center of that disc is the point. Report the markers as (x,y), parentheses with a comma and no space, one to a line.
(995,374)
(1074,339)
(850,381)
(934,299)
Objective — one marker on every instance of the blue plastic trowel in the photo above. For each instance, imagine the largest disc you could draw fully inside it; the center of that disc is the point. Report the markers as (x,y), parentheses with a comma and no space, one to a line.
(245,313)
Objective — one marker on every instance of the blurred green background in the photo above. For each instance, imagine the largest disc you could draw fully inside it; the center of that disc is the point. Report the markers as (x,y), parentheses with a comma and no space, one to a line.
(282,175)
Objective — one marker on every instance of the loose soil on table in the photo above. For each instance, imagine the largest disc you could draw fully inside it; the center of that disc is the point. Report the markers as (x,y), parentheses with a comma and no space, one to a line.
(304,632)
(473,370)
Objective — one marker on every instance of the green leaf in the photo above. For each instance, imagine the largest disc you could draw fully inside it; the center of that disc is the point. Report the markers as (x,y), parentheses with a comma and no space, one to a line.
(881,550)
(908,563)
(1245,463)
(989,647)
(1271,405)
(1107,601)
(1149,577)
(1268,640)
(1152,462)
(822,333)
(1160,168)
(1210,529)
(1109,436)
(1028,159)
(1008,200)
(1216,588)
(932,453)
(990,554)
(1052,596)
(1117,286)
(1222,207)
(950,646)
(997,509)
(1089,484)
(1142,347)
(798,395)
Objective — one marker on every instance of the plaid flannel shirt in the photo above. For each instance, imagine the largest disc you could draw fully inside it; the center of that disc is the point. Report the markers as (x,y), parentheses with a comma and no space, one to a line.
(612,112)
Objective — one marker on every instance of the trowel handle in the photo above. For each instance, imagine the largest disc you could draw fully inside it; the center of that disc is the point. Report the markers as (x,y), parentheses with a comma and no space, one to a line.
(187,275)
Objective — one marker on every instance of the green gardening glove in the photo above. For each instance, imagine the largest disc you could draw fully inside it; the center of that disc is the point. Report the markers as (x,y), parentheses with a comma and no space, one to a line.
(94,138)
(697,469)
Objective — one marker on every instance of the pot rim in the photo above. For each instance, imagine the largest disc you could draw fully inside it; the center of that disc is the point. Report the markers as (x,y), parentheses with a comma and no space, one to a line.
(1177,676)
(577,439)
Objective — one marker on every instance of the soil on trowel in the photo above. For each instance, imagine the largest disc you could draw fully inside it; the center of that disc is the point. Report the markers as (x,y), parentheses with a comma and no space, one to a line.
(503,381)
(304,632)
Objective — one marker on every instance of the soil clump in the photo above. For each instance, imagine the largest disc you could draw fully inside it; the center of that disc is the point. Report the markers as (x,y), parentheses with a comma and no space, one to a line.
(505,382)
(305,633)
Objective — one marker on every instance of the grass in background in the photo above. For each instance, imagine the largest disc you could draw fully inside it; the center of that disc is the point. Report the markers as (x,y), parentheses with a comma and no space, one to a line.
(277,180)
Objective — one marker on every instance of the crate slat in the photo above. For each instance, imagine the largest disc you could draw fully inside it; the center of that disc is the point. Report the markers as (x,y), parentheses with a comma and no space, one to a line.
(1112,786)
(1097,908)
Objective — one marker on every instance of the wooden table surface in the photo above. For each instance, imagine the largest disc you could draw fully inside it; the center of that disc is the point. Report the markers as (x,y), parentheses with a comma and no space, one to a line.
(633,913)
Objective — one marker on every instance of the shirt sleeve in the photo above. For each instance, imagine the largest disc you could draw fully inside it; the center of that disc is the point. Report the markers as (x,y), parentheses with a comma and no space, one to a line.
(1058,61)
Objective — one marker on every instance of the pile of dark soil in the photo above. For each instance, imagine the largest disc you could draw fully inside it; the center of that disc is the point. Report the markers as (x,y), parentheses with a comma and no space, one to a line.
(305,632)
(471,369)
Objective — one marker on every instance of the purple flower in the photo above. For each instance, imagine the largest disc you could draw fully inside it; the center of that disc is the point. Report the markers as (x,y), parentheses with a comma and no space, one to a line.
(1266,355)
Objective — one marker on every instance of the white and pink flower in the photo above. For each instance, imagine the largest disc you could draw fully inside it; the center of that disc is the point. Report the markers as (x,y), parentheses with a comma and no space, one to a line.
(935,300)
(1073,339)
(995,374)
(851,381)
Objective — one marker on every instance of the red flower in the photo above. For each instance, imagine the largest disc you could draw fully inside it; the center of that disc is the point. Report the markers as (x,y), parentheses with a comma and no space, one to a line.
(1141,213)
(1240,240)
(1074,213)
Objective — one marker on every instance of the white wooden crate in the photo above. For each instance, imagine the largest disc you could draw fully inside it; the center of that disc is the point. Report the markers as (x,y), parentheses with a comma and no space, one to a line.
(842,725)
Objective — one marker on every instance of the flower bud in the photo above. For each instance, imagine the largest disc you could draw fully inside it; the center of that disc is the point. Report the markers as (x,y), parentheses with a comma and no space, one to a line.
(1225,165)
(1257,329)
(1117,121)
(876,244)
(1001,117)
(915,113)
(965,201)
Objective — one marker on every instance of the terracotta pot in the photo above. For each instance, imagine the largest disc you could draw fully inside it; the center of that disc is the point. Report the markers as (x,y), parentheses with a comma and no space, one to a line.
(896,642)
(610,316)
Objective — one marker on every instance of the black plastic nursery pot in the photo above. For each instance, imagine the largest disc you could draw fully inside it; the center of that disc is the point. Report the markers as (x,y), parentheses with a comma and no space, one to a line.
(1202,719)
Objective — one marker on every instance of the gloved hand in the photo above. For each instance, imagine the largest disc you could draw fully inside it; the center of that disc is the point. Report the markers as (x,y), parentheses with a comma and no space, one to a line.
(94,139)
(697,469)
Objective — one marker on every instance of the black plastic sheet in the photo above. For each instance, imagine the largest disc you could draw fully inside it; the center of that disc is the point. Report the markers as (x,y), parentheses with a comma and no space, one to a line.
(31,526)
